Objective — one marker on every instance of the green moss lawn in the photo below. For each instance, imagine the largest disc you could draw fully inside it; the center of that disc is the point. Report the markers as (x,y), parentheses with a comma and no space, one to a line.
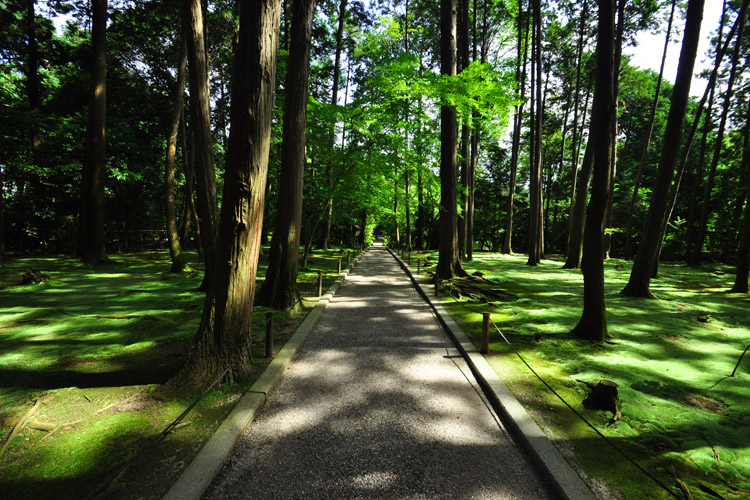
(93,347)
(670,357)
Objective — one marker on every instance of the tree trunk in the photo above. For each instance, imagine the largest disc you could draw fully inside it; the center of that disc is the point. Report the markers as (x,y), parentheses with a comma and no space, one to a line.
(640,275)
(616,92)
(420,188)
(92,244)
(688,143)
(395,210)
(325,237)
(706,205)
(407,208)
(517,125)
(465,144)
(535,183)
(448,260)
(593,323)
(647,140)
(576,101)
(575,235)
(223,338)
(200,124)
(743,258)
(279,289)
(173,237)
(32,81)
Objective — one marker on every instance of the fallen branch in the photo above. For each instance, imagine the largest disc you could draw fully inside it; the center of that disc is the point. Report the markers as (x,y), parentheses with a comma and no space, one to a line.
(739,361)
(128,316)
(21,424)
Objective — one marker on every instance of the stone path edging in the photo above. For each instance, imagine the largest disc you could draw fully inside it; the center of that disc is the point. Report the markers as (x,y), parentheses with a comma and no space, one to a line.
(198,475)
(542,452)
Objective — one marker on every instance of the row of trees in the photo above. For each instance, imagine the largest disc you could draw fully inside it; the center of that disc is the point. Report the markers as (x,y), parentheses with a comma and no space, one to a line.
(307,121)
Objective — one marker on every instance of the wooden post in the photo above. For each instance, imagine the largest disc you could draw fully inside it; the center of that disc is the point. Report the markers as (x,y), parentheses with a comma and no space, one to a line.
(348,256)
(269,335)
(436,288)
(320,284)
(339,266)
(485,333)
(419,265)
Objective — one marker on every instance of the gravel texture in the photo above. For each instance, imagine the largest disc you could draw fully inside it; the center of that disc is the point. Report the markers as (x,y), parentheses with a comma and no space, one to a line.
(377,404)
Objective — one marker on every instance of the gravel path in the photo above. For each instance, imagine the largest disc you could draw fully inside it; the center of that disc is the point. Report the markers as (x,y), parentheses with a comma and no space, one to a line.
(377,404)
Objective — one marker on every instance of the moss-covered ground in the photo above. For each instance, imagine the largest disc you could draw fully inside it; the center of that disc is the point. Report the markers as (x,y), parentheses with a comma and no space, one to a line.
(670,357)
(91,349)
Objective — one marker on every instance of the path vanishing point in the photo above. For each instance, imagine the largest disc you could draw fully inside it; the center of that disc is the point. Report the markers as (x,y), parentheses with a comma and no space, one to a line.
(378,403)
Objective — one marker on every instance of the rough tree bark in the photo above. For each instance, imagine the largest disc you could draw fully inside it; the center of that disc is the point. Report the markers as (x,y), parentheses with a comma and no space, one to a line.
(279,289)
(200,125)
(647,139)
(448,261)
(92,244)
(706,204)
(593,323)
(522,45)
(173,237)
(535,182)
(640,275)
(743,258)
(223,338)
(325,237)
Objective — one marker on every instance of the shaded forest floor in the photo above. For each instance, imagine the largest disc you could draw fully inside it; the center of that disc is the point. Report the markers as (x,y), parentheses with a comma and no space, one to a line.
(82,359)
(670,357)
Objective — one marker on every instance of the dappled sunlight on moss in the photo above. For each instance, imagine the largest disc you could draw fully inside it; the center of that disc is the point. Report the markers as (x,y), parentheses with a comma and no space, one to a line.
(670,357)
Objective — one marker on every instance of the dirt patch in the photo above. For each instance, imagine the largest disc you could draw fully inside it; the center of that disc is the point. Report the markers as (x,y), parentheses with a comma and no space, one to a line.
(675,338)
(710,404)
(136,402)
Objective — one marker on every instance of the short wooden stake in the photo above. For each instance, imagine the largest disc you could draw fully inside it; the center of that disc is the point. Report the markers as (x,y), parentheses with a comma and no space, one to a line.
(320,284)
(485,333)
(348,256)
(269,335)
(339,266)
(436,288)
(419,265)
(409,258)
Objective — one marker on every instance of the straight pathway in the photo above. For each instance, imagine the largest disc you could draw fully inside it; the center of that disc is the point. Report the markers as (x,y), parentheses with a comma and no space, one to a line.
(377,404)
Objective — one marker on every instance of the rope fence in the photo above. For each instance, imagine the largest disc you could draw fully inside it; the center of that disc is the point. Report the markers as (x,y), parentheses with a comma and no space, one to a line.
(102,490)
(484,349)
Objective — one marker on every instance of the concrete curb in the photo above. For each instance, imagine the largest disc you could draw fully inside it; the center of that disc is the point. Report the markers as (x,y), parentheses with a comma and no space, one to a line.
(556,469)
(196,478)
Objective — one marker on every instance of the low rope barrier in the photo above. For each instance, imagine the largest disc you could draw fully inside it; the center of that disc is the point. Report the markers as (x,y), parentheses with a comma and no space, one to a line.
(100,490)
(581,417)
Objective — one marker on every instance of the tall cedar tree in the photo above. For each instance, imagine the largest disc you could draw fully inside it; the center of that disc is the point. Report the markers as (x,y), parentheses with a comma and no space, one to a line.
(279,289)
(522,29)
(536,220)
(647,138)
(640,275)
(462,64)
(92,245)
(718,145)
(325,237)
(743,259)
(688,142)
(593,322)
(576,103)
(223,338)
(200,124)
(173,238)
(707,126)
(448,260)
